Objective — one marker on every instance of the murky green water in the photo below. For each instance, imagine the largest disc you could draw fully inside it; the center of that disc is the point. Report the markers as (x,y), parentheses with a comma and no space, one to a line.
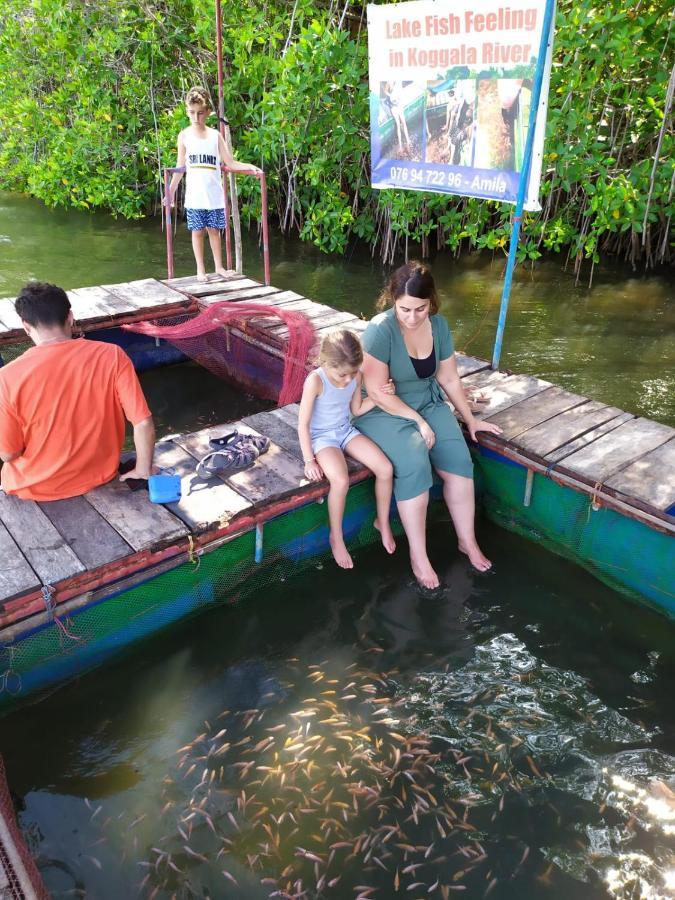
(509,739)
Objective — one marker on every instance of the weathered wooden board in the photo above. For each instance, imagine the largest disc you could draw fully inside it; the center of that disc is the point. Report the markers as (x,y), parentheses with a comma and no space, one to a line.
(141,523)
(289,414)
(9,319)
(44,548)
(190,286)
(246,295)
(650,479)
(276,429)
(567,426)
(615,451)
(503,390)
(587,437)
(324,327)
(204,503)
(467,365)
(273,475)
(97,303)
(535,410)
(86,532)
(146,293)
(16,575)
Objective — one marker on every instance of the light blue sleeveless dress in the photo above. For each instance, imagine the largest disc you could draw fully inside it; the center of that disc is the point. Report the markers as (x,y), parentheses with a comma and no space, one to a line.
(330,424)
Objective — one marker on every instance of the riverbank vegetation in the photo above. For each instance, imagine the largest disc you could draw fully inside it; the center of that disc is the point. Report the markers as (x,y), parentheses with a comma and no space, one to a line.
(90,106)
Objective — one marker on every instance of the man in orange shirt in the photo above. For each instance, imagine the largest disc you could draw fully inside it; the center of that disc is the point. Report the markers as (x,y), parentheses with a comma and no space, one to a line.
(63,404)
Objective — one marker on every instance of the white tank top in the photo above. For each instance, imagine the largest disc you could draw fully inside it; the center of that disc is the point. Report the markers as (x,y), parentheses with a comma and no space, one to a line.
(204,186)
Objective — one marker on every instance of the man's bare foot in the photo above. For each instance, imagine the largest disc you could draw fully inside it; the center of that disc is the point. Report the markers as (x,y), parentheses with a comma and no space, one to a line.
(202,277)
(476,557)
(340,553)
(387,536)
(424,573)
(222,272)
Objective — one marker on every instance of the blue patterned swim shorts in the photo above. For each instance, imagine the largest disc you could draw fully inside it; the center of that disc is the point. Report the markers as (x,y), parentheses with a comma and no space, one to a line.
(199,219)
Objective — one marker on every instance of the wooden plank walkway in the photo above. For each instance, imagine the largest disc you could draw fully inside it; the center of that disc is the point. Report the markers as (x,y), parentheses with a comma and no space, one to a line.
(598,447)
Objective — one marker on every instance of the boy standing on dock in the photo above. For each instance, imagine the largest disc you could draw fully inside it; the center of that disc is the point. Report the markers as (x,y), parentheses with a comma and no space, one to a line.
(202,150)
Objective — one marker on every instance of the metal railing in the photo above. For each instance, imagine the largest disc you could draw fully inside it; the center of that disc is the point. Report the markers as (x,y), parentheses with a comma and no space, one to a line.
(260,176)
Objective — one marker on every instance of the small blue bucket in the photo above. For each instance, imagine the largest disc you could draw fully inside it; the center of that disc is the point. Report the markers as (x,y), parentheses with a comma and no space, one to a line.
(164,488)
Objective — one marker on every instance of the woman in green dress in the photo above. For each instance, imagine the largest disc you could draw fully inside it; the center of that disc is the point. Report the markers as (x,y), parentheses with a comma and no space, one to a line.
(412,344)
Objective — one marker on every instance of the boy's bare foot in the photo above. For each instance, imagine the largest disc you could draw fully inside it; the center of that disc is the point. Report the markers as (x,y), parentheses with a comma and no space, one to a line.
(387,536)
(340,553)
(222,272)
(424,573)
(202,277)
(476,557)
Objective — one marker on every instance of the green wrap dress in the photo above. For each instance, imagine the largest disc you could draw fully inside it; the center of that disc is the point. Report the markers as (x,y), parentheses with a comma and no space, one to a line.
(400,438)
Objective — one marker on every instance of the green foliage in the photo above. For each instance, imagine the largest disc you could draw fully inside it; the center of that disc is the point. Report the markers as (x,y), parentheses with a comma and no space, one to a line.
(91,103)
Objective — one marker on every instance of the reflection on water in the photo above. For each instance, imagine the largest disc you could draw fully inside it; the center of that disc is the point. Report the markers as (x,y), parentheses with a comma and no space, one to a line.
(612,343)
(512,737)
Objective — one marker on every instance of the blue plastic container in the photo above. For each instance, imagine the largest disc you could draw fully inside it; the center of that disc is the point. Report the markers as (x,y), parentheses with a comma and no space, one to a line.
(164,488)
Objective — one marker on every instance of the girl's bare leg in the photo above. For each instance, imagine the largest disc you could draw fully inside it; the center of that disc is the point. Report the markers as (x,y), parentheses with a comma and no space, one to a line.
(216,250)
(198,250)
(365,451)
(413,514)
(334,466)
(458,494)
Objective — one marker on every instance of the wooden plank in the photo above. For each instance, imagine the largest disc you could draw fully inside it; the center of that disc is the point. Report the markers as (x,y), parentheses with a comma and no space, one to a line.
(588,437)
(141,523)
(189,285)
(535,410)
(96,302)
(650,479)
(617,450)
(504,390)
(273,475)
(16,574)
(44,548)
(86,532)
(567,426)
(276,429)
(203,504)
(467,365)
(146,293)
(289,414)
(245,294)
(8,316)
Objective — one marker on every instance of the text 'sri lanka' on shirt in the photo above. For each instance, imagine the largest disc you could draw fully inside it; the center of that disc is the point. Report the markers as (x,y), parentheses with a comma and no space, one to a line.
(203,180)
(63,408)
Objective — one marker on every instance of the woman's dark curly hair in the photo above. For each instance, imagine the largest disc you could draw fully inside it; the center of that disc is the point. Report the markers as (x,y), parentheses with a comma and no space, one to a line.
(415,280)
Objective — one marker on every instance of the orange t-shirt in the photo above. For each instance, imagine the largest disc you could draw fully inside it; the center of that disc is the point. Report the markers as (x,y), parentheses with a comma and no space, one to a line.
(62,407)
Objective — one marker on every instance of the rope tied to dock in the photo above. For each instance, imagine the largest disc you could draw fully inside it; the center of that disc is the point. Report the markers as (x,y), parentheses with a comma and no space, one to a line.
(10,681)
(48,592)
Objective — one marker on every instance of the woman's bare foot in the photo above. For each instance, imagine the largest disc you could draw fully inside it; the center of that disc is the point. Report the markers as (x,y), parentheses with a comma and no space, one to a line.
(476,557)
(424,573)
(222,272)
(340,553)
(387,536)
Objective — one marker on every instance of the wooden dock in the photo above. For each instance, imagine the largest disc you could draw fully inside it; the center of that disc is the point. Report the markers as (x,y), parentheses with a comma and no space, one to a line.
(66,552)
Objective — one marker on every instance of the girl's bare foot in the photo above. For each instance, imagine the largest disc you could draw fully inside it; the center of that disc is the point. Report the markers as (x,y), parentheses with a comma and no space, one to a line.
(340,553)
(424,573)
(476,557)
(222,272)
(387,536)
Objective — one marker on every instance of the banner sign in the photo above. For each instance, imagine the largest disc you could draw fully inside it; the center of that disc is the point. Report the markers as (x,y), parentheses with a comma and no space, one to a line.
(450,88)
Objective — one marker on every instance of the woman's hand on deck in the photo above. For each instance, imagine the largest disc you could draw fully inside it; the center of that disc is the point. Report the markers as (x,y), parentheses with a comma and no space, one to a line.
(313,471)
(427,433)
(475,425)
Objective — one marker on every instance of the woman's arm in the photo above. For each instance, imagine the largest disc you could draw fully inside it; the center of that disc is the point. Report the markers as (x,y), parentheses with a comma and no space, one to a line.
(448,378)
(310,392)
(360,404)
(375,375)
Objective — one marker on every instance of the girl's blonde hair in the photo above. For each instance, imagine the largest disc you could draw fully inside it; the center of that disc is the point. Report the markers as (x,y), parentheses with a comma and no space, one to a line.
(341,349)
(198,96)
(415,280)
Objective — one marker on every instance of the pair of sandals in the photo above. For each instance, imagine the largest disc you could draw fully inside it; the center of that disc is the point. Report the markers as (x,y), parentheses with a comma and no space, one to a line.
(232,452)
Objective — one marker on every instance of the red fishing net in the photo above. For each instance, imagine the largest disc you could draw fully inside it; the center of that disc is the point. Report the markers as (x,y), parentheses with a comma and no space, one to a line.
(247,344)
(19,876)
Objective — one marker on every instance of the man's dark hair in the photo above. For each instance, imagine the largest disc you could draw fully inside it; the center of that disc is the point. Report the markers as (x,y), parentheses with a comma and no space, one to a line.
(40,303)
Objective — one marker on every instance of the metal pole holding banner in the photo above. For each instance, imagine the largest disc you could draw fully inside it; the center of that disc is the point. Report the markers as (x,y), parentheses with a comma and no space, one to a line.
(524,179)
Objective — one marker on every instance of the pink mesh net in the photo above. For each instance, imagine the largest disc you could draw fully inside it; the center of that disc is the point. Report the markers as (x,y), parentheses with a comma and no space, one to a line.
(19,876)
(238,342)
